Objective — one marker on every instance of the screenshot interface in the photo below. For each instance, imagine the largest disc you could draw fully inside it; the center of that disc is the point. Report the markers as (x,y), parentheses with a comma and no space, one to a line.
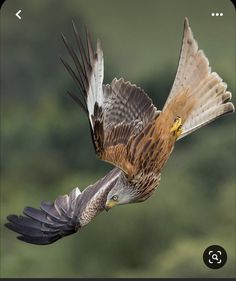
(107,103)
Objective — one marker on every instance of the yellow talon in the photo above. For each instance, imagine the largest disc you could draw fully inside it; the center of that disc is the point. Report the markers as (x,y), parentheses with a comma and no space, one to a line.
(177,127)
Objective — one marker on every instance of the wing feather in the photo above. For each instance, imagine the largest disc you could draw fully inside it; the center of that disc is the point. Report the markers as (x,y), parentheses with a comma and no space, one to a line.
(65,216)
(117,111)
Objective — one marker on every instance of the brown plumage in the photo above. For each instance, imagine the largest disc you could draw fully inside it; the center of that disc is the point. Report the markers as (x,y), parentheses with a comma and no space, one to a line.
(128,132)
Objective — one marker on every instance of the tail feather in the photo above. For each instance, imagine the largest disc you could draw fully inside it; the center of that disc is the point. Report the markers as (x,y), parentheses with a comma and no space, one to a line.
(205,88)
(206,117)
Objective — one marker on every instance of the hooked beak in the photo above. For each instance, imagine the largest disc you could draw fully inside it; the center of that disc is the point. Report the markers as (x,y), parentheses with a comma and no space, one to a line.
(110,204)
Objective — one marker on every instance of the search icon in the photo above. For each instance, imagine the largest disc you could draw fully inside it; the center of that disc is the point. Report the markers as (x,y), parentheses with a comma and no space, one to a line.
(214,257)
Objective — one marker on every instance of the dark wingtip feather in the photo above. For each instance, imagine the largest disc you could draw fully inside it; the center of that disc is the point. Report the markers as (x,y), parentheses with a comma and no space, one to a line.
(38,240)
(74,26)
(8,225)
(78,79)
(78,101)
(64,38)
(10,217)
(35,232)
(49,223)
(73,22)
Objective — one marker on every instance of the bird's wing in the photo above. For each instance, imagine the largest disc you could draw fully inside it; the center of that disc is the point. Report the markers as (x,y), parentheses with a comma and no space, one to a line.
(65,216)
(116,111)
(203,86)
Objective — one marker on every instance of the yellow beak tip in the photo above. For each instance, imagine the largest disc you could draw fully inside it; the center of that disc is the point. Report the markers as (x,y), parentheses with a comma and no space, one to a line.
(109,204)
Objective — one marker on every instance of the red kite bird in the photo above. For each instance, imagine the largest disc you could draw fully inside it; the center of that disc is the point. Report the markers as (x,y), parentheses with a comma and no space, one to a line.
(129,132)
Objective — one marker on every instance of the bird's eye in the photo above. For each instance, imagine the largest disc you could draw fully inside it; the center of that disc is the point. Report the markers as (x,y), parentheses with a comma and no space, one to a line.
(114,198)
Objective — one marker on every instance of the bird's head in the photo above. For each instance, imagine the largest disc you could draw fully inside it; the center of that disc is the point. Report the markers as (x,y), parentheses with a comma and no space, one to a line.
(120,194)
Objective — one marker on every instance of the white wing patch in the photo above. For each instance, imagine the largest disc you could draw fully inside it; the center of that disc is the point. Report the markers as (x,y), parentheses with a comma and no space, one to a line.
(95,92)
(77,192)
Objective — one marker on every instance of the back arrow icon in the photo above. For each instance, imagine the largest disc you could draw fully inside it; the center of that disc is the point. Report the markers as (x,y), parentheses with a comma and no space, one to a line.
(18,14)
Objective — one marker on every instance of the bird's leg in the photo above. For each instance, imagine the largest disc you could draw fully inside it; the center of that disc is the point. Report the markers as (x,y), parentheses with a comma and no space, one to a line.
(177,127)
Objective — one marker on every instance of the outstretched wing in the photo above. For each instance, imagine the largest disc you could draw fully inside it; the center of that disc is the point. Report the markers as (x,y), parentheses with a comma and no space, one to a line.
(116,111)
(65,216)
(204,86)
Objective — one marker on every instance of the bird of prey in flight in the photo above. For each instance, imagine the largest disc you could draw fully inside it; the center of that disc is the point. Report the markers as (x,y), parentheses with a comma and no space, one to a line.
(129,132)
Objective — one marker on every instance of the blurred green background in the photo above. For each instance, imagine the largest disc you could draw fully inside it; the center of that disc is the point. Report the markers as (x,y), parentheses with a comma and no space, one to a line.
(46,149)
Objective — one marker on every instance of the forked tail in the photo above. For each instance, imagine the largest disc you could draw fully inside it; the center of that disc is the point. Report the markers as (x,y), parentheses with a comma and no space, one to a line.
(200,94)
